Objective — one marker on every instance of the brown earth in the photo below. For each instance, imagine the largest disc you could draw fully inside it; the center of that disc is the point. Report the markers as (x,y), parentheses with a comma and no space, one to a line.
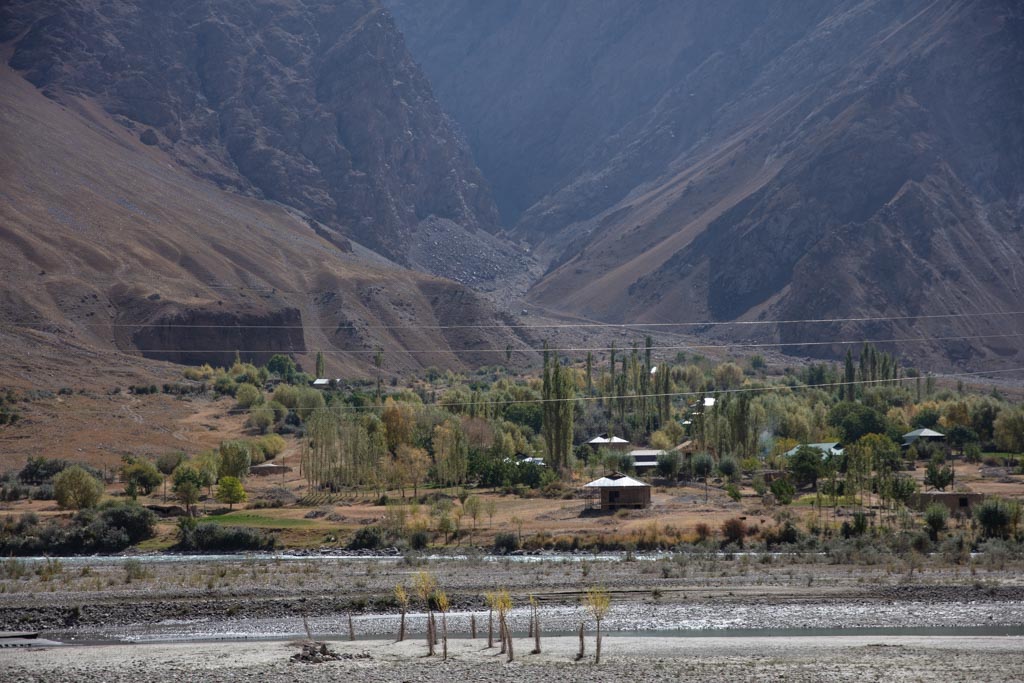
(114,247)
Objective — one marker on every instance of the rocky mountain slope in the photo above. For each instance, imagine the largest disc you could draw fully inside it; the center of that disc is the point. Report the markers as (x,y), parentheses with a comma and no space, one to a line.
(110,247)
(741,160)
(313,104)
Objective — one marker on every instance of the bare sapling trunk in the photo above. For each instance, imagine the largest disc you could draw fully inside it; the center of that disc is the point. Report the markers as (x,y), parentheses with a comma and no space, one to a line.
(351,629)
(433,628)
(444,636)
(536,631)
(490,629)
(430,634)
(580,654)
(472,626)
(597,647)
(501,635)
(401,627)
(508,637)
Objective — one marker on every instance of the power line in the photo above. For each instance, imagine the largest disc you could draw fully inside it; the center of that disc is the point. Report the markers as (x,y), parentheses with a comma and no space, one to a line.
(625,326)
(676,394)
(901,340)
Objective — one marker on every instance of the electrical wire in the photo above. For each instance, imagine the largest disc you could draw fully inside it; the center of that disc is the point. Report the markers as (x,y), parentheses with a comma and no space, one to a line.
(626,326)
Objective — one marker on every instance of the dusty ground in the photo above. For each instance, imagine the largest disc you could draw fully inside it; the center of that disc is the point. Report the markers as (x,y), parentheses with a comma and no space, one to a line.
(847,658)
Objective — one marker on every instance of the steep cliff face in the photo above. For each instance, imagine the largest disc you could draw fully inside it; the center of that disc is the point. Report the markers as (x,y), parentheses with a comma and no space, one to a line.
(313,104)
(723,161)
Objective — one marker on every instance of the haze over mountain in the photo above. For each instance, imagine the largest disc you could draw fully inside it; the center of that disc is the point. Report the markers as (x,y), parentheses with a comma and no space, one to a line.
(732,160)
(286,163)
(194,165)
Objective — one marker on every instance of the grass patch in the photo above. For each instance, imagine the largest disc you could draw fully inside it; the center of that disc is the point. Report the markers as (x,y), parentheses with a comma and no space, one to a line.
(244,518)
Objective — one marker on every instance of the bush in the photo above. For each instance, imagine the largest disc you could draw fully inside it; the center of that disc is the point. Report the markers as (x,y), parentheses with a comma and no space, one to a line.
(783,491)
(247,396)
(209,537)
(733,531)
(935,518)
(111,528)
(272,445)
(75,488)
(419,540)
(367,538)
(505,543)
(994,516)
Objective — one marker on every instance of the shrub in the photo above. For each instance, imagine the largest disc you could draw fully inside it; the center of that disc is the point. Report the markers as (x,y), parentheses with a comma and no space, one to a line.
(75,488)
(111,528)
(935,518)
(272,445)
(505,543)
(734,531)
(208,537)
(728,467)
(367,538)
(419,540)
(994,516)
(733,491)
(261,418)
(783,491)
(247,396)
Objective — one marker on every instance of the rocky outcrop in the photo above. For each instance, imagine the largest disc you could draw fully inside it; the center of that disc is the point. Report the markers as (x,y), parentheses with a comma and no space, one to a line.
(313,104)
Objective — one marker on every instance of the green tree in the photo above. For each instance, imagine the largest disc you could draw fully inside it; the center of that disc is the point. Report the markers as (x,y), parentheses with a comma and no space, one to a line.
(558,393)
(140,475)
(804,466)
(935,517)
(474,508)
(938,474)
(76,489)
(703,466)
(231,491)
(167,463)
(283,366)
(728,376)
(320,371)
(450,452)
(188,484)
(1008,430)
(668,464)
(235,459)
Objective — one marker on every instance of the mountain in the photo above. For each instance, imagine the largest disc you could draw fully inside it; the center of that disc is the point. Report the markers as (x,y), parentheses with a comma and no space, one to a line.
(183,180)
(313,104)
(680,160)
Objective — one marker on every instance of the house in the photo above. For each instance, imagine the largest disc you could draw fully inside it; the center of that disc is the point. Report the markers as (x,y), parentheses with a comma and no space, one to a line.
(956,503)
(828,449)
(605,441)
(617,491)
(923,435)
(325,383)
(644,459)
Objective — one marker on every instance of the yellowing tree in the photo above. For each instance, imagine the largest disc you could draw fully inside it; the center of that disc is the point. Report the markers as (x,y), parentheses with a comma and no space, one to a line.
(450,453)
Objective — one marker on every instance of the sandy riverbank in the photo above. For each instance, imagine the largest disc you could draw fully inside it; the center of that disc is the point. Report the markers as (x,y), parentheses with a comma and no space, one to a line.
(842,658)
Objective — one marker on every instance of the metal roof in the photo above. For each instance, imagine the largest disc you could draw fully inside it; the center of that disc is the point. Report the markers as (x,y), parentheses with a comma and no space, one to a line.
(921,432)
(620,482)
(602,439)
